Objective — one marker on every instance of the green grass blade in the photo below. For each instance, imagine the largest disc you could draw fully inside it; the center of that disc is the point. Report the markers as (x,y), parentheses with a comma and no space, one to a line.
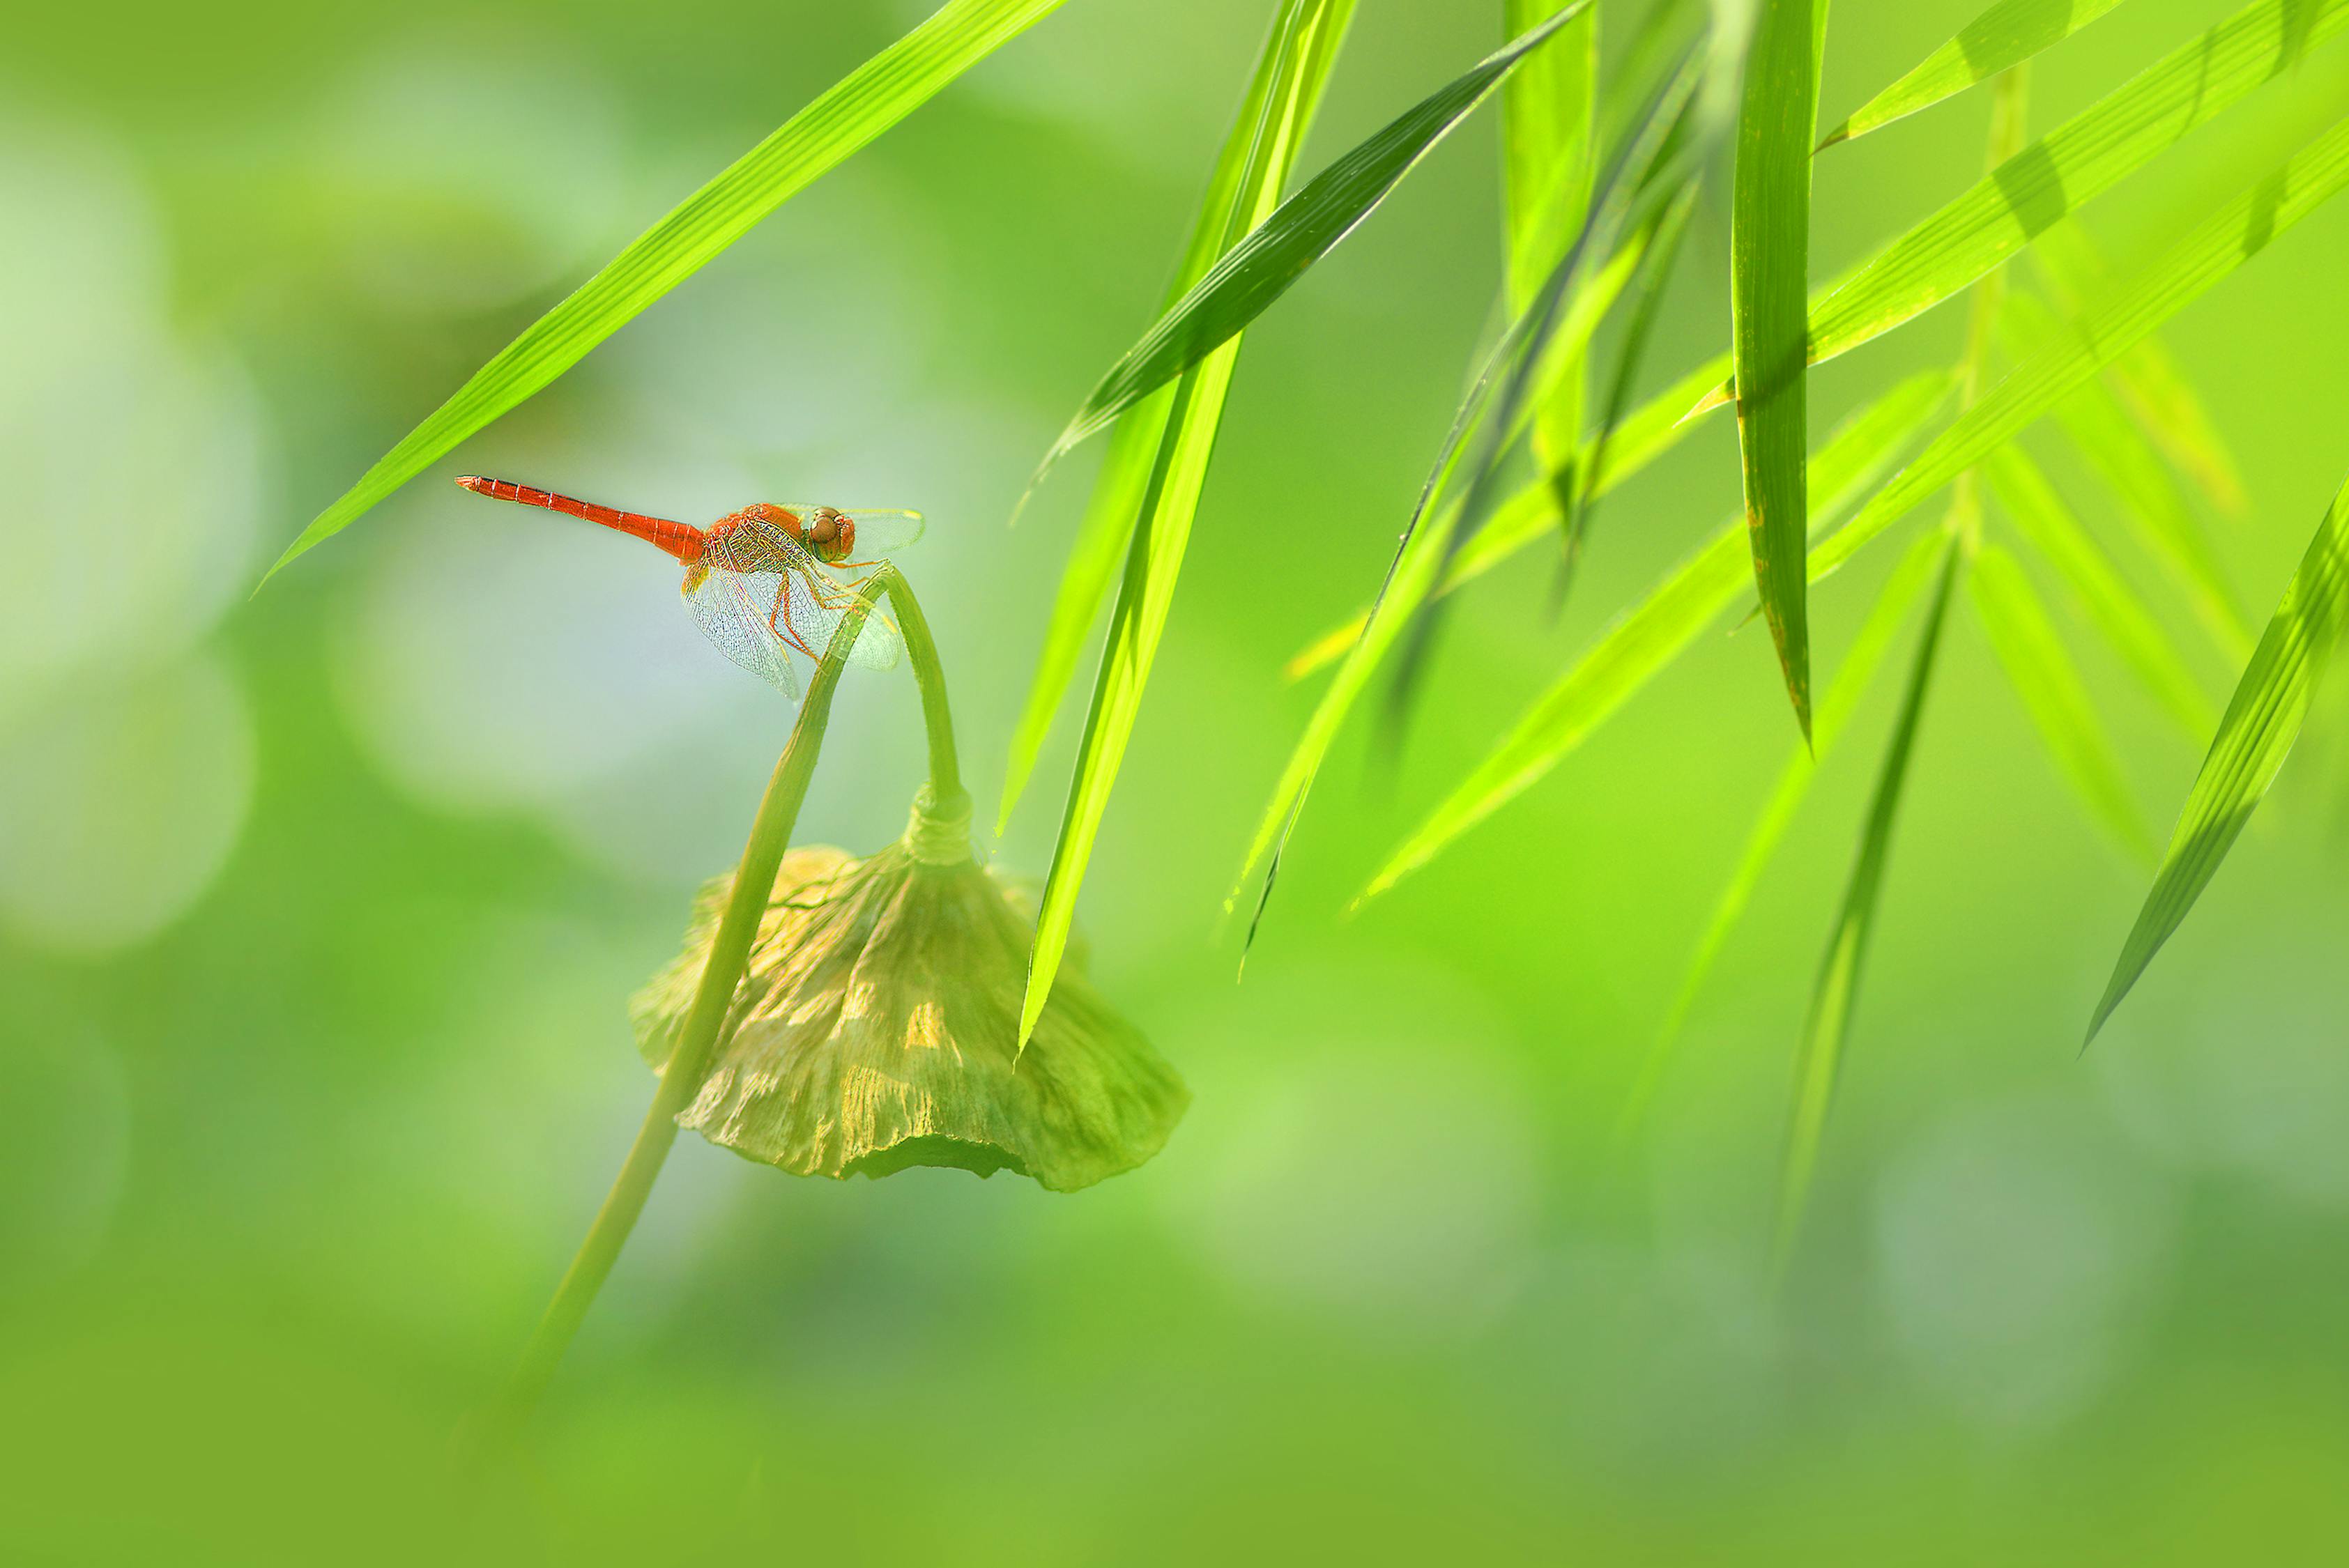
(2108,601)
(1307,40)
(2151,501)
(1649,635)
(1769,283)
(2213,249)
(1852,679)
(2254,737)
(1549,141)
(2008,33)
(2058,174)
(1094,563)
(1259,269)
(2148,379)
(1827,1027)
(851,113)
(2042,674)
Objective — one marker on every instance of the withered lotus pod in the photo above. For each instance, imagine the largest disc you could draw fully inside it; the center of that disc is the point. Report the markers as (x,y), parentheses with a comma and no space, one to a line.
(876,1027)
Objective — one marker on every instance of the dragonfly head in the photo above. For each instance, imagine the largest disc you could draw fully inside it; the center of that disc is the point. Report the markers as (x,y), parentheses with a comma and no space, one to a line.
(828,534)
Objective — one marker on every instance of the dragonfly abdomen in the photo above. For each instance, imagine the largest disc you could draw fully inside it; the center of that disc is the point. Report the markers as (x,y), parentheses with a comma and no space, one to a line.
(681,540)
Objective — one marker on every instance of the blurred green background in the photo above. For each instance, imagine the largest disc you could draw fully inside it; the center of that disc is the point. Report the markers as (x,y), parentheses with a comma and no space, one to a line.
(319,911)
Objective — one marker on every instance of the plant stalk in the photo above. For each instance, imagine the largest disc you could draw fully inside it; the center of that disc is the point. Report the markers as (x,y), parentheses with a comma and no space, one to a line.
(729,954)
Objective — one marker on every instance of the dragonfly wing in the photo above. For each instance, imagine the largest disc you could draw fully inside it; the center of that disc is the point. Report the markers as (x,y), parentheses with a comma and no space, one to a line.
(731,608)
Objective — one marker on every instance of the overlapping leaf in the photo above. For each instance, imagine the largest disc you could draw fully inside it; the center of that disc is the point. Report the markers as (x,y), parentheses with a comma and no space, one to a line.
(1649,635)
(1262,267)
(2238,232)
(1285,81)
(860,107)
(2254,737)
(2055,176)
(1299,54)
(2008,33)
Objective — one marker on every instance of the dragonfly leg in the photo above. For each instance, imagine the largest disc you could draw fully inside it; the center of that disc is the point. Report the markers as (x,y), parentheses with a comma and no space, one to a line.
(780,621)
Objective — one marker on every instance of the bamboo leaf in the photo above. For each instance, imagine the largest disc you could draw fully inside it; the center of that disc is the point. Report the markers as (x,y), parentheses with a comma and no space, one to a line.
(2214,249)
(1769,281)
(2027,195)
(2043,675)
(2262,722)
(1548,139)
(1649,635)
(846,116)
(2151,502)
(1827,1027)
(2110,605)
(1092,567)
(1304,47)
(1852,679)
(2008,33)
(2147,379)
(1281,250)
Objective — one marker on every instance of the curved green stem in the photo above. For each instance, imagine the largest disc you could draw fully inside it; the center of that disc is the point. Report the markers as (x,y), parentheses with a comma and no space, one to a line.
(729,953)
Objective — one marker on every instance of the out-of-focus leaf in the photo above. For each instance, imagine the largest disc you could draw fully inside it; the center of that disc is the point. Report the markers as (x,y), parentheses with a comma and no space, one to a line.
(2153,504)
(2110,605)
(2055,176)
(2148,378)
(1769,281)
(1852,679)
(1241,174)
(2254,737)
(852,112)
(2006,34)
(1547,140)
(2241,230)
(1282,249)
(2042,674)
(1303,46)
(1649,635)
(1827,1027)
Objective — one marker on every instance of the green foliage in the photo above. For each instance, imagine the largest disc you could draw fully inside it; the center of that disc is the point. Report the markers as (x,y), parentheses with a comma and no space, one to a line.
(2262,720)
(2008,33)
(1769,278)
(1298,56)
(842,118)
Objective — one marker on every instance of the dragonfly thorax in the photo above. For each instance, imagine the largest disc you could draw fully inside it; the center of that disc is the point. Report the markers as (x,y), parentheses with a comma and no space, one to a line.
(823,532)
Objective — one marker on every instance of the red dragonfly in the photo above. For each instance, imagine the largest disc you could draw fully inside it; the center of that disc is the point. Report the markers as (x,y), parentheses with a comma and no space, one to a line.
(765,579)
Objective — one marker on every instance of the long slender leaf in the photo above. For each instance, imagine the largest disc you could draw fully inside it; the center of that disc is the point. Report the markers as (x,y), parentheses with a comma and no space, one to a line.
(2153,504)
(1548,139)
(1852,679)
(2148,378)
(2026,195)
(1282,249)
(1306,40)
(1769,279)
(1240,176)
(1649,635)
(2254,737)
(1827,1027)
(2238,232)
(846,116)
(2042,674)
(2110,605)
(2008,33)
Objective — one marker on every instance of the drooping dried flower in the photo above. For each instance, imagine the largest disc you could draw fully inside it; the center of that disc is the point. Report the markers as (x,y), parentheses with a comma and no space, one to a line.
(878,1027)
